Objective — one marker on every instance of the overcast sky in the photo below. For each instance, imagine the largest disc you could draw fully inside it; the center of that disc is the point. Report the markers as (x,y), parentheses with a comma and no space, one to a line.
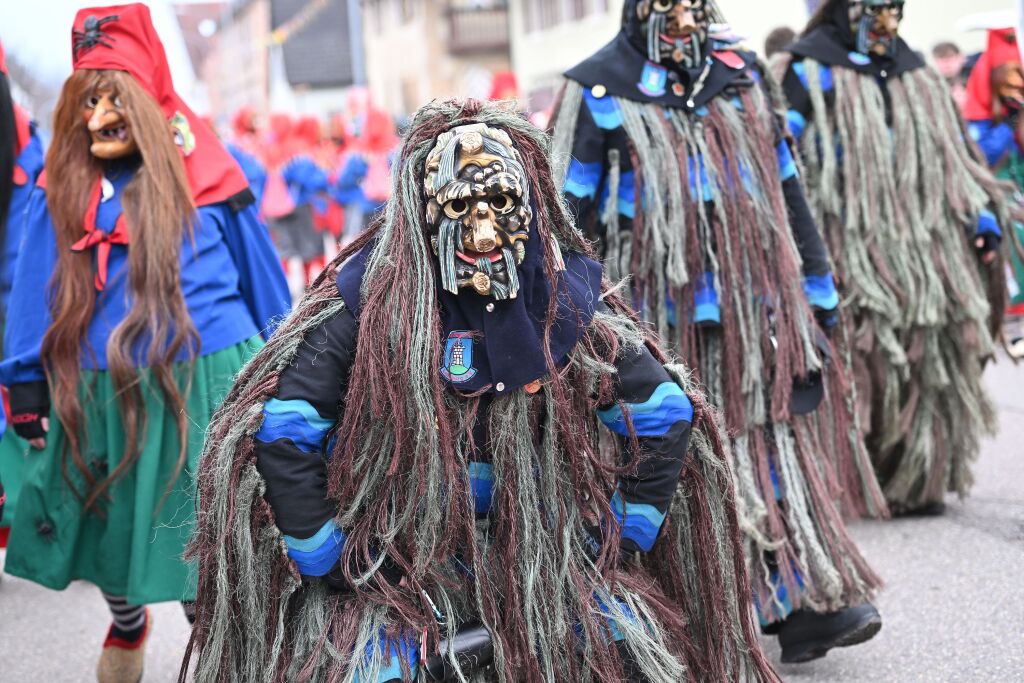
(38,34)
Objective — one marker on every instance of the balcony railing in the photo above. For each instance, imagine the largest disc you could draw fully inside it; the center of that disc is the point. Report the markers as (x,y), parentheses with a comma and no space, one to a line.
(476,30)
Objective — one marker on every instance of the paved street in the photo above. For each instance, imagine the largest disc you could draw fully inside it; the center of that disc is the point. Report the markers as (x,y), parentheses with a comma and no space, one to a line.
(953,609)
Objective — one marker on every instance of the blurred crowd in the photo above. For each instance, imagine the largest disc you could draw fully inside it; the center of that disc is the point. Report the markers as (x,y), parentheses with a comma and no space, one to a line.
(317,186)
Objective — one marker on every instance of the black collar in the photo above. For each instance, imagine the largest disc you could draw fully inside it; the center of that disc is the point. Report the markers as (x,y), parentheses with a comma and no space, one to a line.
(621,70)
(834,45)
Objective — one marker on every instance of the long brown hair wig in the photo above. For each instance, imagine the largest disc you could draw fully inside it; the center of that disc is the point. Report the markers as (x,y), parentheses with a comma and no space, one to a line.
(159,210)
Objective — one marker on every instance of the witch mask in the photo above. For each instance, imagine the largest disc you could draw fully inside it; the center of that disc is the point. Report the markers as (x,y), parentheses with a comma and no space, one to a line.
(876,24)
(478,210)
(108,124)
(676,30)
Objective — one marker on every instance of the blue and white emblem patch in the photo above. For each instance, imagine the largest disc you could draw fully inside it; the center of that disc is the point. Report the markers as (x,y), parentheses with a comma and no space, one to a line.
(653,80)
(458,358)
(858,58)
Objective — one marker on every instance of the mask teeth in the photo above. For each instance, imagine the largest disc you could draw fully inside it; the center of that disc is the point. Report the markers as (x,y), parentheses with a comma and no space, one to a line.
(512,273)
(446,248)
(695,50)
(655,28)
(862,35)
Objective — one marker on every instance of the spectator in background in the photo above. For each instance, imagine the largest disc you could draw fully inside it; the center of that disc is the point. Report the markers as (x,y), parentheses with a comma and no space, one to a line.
(951,63)
(778,40)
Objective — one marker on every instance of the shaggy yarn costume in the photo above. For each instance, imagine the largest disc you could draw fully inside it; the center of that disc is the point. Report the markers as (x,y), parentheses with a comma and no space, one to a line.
(694,194)
(901,199)
(528,572)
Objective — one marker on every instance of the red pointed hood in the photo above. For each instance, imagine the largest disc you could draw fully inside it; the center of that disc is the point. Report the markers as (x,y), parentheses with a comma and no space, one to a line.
(1002,49)
(22,120)
(122,38)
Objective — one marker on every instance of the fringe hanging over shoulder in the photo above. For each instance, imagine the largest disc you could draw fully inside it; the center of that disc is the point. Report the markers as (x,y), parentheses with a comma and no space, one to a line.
(790,491)
(898,208)
(398,475)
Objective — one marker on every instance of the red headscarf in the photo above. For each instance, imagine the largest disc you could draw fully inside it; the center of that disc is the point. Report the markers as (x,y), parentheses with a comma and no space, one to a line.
(1002,49)
(123,38)
(22,120)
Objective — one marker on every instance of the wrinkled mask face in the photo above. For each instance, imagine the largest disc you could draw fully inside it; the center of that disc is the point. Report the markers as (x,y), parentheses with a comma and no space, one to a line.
(1008,85)
(478,210)
(876,23)
(108,124)
(676,30)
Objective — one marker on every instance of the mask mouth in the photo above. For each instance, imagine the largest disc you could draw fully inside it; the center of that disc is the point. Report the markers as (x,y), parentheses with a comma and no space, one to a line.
(117,132)
(472,257)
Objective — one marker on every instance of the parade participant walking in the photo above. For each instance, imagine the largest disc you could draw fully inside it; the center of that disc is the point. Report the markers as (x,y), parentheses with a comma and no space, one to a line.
(142,290)
(679,167)
(993,109)
(461,435)
(914,222)
(21,161)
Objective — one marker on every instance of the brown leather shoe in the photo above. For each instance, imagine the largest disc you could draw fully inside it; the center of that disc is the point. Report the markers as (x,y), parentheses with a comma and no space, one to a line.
(123,661)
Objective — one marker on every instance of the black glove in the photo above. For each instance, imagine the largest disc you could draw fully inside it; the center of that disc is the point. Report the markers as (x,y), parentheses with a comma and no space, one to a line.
(827,319)
(388,570)
(30,403)
(991,242)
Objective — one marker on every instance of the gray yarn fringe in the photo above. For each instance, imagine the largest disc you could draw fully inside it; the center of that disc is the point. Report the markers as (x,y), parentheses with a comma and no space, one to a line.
(266,625)
(898,210)
(807,532)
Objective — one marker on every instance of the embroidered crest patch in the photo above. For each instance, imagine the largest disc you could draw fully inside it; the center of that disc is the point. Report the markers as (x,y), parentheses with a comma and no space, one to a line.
(653,80)
(183,135)
(458,358)
(859,59)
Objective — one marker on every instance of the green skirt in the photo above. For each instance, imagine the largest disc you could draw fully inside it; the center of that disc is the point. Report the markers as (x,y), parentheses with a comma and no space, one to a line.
(14,455)
(135,549)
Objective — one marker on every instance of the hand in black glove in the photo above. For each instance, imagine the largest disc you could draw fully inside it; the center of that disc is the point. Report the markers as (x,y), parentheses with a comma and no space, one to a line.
(30,412)
(827,319)
(987,244)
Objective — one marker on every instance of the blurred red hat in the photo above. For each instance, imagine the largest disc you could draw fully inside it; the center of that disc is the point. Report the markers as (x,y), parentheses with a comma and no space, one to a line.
(244,121)
(122,38)
(1002,49)
(504,86)
(22,121)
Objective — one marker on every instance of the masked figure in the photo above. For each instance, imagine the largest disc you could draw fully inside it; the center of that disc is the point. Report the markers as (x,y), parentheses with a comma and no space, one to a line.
(21,161)
(995,97)
(144,283)
(679,169)
(461,442)
(914,221)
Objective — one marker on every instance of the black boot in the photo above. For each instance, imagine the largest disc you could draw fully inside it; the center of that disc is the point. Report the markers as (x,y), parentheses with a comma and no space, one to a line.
(805,636)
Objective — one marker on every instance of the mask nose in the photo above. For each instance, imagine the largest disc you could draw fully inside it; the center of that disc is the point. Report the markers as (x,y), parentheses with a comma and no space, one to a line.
(98,115)
(484,237)
(890,21)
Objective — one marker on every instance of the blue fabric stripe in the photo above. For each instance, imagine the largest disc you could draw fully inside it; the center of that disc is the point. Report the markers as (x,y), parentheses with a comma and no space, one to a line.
(699,169)
(796,122)
(316,556)
(706,298)
(654,417)
(787,164)
(295,420)
(641,523)
(626,205)
(824,75)
(821,291)
(582,179)
(405,649)
(481,484)
(988,225)
(605,111)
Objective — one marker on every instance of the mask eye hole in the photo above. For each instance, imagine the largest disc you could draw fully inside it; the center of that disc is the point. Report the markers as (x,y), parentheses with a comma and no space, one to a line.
(663,5)
(456,208)
(117,102)
(93,101)
(501,203)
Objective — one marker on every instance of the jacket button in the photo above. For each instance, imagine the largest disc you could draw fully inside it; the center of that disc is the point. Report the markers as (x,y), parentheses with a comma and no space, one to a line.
(500,387)
(44,529)
(490,308)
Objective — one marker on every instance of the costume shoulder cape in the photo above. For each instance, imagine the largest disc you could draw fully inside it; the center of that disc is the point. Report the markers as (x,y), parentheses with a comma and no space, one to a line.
(623,71)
